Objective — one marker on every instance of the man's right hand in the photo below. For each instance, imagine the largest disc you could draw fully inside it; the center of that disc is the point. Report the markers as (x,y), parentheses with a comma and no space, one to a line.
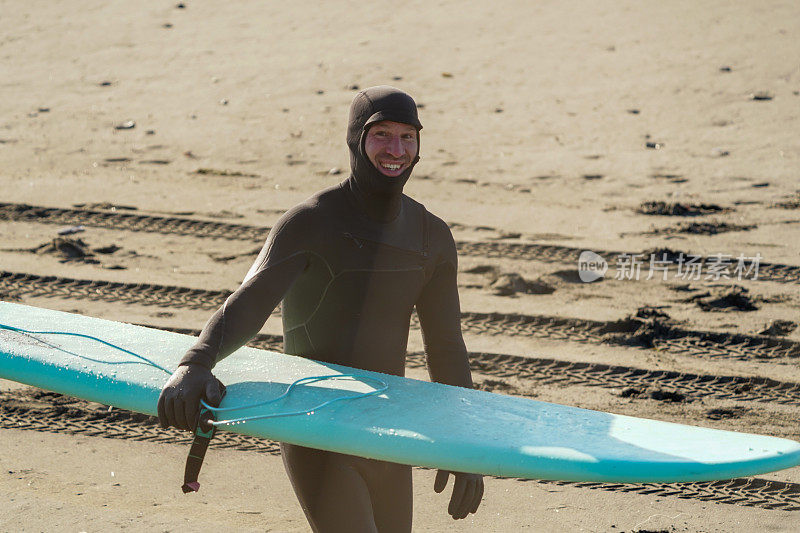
(179,403)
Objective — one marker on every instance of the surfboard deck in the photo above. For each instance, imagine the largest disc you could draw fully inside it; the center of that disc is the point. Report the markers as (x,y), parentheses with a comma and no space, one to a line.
(413,422)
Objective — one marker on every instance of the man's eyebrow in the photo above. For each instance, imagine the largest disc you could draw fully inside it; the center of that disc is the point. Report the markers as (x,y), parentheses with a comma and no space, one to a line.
(387,129)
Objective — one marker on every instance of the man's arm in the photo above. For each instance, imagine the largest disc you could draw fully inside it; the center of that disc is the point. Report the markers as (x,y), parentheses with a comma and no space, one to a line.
(244,312)
(232,325)
(440,319)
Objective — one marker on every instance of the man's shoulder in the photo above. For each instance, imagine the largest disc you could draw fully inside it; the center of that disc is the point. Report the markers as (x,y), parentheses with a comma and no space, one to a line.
(440,238)
(326,196)
(312,208)
(437,227)
(430,219)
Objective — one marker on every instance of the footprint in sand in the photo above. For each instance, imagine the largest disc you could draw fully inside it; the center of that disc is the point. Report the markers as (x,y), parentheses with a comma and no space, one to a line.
(678,209)
(701,228)
(725,299)
(655,394)
(726,414)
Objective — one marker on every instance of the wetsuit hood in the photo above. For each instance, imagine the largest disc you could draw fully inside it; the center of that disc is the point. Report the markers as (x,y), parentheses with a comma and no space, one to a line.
(370,106)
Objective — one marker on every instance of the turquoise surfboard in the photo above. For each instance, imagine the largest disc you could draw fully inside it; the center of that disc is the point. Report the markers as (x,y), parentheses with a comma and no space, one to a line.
(412,422)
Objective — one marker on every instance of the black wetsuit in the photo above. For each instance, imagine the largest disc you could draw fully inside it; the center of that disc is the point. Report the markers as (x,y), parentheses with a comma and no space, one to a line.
(350,264)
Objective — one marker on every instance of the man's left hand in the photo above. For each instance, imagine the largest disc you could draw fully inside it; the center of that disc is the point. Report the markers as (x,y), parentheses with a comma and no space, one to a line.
(467,492)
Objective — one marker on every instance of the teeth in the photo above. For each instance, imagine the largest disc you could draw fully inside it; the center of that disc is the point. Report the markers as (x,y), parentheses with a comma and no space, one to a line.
(391,166)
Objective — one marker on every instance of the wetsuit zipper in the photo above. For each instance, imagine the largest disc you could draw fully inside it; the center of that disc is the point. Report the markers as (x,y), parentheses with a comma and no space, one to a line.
(360,241)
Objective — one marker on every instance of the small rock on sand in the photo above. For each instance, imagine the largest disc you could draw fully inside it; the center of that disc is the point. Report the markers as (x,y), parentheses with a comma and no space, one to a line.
(761,96)
(778,328)
(68,249)
(71,230)
(513,283)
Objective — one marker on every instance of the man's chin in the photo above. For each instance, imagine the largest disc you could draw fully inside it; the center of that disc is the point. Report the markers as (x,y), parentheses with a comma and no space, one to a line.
(391,177)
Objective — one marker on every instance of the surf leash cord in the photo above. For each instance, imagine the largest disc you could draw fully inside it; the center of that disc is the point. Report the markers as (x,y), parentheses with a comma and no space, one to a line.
(206,426)
(144,360)
(382,387)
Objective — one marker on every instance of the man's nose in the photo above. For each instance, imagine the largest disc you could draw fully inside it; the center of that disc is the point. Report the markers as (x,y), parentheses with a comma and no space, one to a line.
(395,147)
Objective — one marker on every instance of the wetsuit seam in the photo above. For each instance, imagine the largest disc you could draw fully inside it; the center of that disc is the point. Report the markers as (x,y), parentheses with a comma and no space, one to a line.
(308,336)
(327,265)
(289,330)
(425,232)
(222,333)
(310,317)
(357,240)
(304,323)
(281,261)
(379,270)
(215,359)
(371,103)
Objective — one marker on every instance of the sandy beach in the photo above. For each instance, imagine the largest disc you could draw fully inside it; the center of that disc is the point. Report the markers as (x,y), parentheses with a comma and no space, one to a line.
(147,148)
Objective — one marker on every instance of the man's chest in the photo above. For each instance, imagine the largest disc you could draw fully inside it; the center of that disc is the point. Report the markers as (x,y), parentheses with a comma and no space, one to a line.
(350,245)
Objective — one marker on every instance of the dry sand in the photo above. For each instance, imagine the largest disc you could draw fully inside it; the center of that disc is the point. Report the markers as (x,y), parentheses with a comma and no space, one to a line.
(538,117)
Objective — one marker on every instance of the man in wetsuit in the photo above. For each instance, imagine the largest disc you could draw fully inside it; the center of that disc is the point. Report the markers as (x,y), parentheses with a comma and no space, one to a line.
(350,265)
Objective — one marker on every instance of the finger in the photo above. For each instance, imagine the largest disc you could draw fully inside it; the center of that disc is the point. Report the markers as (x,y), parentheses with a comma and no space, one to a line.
(162,411)
(456,498)
(476,502)
(213,392)
(441,480)
(466,499)
(465,495)
(192,412)
(169,409)
(180,413)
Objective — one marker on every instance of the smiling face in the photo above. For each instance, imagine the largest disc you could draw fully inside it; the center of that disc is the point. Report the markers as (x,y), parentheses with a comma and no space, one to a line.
(391,147)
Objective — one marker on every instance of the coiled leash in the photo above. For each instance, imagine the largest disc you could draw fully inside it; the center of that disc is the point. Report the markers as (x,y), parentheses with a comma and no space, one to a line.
(207,425)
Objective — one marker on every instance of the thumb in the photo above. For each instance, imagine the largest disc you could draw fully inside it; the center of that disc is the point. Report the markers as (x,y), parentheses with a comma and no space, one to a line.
(214,391)
(441,480)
